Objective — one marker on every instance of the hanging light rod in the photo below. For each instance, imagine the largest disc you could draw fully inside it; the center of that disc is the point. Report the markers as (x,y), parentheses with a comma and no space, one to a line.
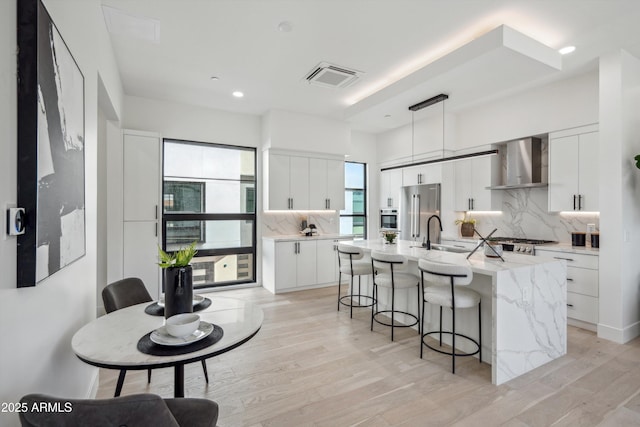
(443,159)
(428,102)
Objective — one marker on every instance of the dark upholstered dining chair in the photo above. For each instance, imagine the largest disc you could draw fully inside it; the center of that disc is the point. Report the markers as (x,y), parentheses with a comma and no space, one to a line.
(124,293)
(133,410)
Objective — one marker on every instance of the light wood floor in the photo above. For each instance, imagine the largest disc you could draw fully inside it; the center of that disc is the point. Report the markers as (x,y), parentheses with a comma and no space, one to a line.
(313,366)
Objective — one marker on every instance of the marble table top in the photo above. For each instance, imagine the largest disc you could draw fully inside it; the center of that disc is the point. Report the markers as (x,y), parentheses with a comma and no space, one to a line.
(111,340)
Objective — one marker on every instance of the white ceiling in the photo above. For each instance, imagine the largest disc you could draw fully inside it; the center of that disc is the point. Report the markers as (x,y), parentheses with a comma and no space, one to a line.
(239,42)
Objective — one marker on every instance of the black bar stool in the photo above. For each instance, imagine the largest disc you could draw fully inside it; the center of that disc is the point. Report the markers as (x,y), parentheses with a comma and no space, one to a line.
(350,262)
(445,291)
(388,273)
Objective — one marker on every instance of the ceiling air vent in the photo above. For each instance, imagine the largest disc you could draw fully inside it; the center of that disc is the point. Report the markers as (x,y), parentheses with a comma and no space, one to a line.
(325,74)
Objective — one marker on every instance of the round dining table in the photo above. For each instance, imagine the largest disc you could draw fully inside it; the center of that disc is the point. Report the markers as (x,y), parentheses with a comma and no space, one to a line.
(111,341)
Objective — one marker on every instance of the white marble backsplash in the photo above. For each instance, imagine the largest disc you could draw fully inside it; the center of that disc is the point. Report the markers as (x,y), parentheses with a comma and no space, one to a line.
(524,214)
(288,222)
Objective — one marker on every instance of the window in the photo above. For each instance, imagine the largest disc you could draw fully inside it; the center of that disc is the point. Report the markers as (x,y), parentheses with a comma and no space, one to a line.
(353,220)
(209,197)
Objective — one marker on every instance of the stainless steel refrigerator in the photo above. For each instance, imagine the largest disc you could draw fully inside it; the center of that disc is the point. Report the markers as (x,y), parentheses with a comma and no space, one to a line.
(418,203)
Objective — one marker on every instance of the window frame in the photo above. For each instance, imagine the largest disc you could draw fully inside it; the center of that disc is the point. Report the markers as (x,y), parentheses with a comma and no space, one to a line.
(238,250)
(365,215)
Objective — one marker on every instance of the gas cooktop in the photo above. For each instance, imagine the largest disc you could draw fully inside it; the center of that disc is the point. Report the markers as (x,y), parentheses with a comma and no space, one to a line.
(521,245)
(520,240)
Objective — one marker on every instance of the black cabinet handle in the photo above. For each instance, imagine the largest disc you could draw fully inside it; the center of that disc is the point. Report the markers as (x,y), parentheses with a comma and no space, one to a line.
(569,305)
(569,279)
(574,202)
(579,202)
(566,259)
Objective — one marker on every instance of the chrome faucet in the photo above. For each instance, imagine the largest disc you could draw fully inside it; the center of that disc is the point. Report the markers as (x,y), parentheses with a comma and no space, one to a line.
(429,229)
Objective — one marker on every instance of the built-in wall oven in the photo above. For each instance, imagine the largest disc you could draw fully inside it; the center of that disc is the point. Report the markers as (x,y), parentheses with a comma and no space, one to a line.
(389,218)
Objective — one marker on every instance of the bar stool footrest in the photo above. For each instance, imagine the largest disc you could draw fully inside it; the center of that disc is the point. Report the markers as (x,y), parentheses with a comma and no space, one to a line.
(370,301)
(402,325)
(450,353)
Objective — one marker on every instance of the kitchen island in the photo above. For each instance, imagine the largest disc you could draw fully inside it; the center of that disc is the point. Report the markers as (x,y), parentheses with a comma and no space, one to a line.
(524,312)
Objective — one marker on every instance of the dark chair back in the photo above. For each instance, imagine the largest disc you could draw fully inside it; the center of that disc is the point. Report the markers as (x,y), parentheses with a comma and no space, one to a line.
(124,293)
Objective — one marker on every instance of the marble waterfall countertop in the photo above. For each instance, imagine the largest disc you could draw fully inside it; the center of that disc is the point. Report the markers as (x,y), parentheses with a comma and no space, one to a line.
(523,299)
(478,262)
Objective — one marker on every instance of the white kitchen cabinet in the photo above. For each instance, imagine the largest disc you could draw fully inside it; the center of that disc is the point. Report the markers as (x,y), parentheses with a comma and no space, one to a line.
(582,285)
(300,182)
(573,170)
(140,254)
(287,183)
(390,188)
(326,184)
(141,158)
(289,265)
(472,177)
(295,264)
(423,174)
(327,261)
(141,208)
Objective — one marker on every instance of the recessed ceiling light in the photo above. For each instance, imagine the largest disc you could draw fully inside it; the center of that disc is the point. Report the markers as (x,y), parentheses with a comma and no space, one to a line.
(567,49)
(238,94)
(214,78)
(285,27)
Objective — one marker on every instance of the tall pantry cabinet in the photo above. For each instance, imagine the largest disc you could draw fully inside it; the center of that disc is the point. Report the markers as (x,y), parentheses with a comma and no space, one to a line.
(142,188)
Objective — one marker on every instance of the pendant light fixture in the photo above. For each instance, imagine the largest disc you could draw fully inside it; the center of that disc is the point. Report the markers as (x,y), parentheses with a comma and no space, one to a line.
(419,106)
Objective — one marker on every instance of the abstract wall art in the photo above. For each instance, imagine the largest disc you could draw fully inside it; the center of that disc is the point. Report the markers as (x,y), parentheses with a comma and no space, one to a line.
(51,144)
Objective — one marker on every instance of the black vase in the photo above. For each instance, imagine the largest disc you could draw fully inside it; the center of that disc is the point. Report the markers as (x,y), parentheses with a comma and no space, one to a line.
(178,290)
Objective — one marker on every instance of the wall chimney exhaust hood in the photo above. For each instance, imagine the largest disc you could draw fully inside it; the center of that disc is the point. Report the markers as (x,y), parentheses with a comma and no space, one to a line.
(523,164)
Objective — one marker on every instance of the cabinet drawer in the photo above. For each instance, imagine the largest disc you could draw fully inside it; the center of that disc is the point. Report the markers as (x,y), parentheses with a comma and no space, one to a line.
(582,307)
(573,260)
(582,281)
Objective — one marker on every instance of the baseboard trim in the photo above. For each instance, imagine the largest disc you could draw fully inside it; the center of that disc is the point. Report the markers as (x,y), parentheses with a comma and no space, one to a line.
(617,335)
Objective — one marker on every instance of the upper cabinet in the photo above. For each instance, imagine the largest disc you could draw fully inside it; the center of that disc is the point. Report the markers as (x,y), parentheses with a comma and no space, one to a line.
(573,170)
(287,185)
(423,174)
(390,188)
(472,177)
(326,184)
(294,181)
(141,177)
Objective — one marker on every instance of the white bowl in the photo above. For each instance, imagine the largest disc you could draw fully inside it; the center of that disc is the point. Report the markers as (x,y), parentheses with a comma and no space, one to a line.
(182,325)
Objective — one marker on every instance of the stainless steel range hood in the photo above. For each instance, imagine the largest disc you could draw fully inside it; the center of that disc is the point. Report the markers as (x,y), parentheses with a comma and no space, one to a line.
(523,164)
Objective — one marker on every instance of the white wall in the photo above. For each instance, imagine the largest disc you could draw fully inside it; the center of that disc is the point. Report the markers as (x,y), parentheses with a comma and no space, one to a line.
(36,324)
(619,197)
(181,121)
(560,105)
(296,131)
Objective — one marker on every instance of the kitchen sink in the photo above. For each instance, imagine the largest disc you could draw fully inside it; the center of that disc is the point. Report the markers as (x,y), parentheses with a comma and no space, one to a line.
(445,248)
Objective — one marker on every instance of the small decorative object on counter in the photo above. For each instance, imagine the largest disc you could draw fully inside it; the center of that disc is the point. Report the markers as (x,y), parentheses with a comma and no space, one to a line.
(467,226)
(493,250)
(578,238)
(595,239)
(389,237)
(178,280)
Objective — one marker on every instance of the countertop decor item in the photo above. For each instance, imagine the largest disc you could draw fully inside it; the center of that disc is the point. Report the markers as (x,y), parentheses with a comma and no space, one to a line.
(178,280)
(467,226)
(390,237)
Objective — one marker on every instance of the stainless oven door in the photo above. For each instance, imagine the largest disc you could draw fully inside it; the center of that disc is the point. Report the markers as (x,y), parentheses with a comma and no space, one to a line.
(388,218)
